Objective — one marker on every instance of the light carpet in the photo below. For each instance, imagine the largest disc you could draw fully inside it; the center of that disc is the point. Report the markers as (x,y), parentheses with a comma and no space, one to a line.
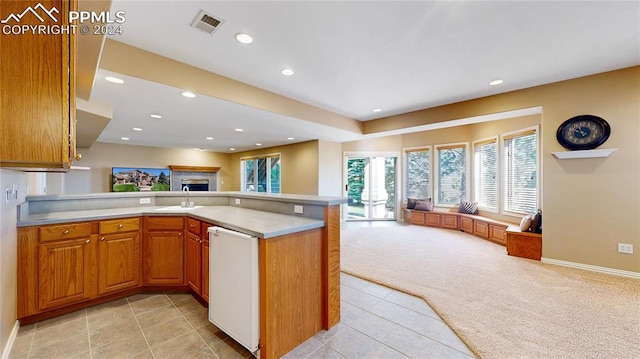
(501,306)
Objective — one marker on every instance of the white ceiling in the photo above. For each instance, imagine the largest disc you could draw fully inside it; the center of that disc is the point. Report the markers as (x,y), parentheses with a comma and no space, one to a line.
(350,57)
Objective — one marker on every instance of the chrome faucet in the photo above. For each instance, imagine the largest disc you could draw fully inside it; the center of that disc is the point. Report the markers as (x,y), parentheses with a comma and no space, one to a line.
(186,204)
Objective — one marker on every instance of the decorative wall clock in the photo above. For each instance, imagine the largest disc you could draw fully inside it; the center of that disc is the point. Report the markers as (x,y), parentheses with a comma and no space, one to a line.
(584,132)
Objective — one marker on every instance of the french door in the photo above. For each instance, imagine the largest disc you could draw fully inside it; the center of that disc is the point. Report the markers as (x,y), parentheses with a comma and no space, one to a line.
(370,186)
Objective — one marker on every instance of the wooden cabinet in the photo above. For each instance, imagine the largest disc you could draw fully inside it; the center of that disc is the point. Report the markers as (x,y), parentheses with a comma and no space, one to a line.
(194,255)
(67,271)
(205,262)
(449,221)
(497,233)
(37,93)
(163,251)
(466,225)
(432,219)
(417,218)
(524,244)
(119,255)
(481,229)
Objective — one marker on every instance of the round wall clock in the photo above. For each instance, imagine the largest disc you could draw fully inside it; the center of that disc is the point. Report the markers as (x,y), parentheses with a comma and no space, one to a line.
(584,132)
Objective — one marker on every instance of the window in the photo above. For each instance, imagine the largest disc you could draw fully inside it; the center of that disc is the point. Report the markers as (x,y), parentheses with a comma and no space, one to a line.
(418,172)
(485,169)
(261,174)
(520,171)
(451,175)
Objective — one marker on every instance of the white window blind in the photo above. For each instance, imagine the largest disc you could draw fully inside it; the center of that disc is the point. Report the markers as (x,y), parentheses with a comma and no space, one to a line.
(451,174)
(418,172)
(485,159)
(520,173)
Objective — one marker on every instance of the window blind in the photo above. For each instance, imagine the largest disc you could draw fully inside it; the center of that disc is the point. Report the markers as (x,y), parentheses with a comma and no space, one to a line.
(520,173)
(418,173)
(485,159)
(451,174)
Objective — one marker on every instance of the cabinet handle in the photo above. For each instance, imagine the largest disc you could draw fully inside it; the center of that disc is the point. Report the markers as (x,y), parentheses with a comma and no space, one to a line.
(78,156)
(66,231)
(120,226)
(179,233)
(87,241)
(102,238)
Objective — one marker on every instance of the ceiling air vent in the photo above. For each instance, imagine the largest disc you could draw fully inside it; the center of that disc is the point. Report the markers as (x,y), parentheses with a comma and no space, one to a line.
(206,22)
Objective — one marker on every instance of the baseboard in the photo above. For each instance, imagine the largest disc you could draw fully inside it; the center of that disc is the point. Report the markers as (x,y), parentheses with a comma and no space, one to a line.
(618,272)
(12,338)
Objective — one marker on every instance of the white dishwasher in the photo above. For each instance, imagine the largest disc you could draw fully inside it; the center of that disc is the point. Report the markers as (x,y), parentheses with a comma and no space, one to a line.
(234,286)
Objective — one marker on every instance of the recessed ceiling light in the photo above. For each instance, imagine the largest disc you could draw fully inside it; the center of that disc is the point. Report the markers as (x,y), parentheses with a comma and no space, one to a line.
(377,110)
(209,138)
(155,116)
(232,149)
(115,80)
(239,130)
(258,144)
(495,82)
(188,94)
(286,72)
(198,149)
(124,138)
(137,129)
(289,138)
(244,38)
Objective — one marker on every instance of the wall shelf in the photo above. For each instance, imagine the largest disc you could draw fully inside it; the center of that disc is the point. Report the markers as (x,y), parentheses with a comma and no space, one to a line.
(194,168)
(565,155)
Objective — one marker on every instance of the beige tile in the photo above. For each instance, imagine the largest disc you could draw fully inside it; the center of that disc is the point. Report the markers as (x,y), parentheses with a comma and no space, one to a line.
(76,325)
(26,330)
(423,324)
(349,313)
(230,349)
(108,306)
(441,351)
(325,335)
(358,298)
(176,298)
(409,343)
(67,347)
(305,349)
(143,355)
(374,289)
(21,345)
(374,326)
(147,303)
(352,344)
(382,351)
(65,318)
(133,344)
(449,338)
(166,331)
(157,316)
(188,345)
(211,334)
(414,303)
(113,332)
(109,315)
(196,315)
(391,311)
(325,352)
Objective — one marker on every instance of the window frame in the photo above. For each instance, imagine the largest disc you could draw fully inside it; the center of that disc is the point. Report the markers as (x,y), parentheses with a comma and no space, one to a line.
(405,170)
(503,173)
(476,174)
(268,158)
(436,172)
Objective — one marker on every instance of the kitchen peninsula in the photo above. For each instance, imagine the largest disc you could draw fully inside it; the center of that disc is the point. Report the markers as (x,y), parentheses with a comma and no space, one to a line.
(79,250)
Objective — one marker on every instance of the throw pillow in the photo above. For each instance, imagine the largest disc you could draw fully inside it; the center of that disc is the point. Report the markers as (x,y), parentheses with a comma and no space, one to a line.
(424,206)
(411,203)
(538,228)
(534,222)
(525,223)
(468,207)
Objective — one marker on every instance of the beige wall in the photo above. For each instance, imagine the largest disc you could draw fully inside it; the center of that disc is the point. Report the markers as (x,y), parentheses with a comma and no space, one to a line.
(329,169)
(9,253)
(102,156)
(299,168)
(589,205)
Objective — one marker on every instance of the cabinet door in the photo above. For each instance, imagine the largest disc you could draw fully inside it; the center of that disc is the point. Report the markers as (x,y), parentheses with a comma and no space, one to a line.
(119,262)
(205,269)
(164,253)
(481,229)
(466,224)
(450,221)
(67,271)
(498,233)
(37,94)
(433,219)
(194,262)
(417,218)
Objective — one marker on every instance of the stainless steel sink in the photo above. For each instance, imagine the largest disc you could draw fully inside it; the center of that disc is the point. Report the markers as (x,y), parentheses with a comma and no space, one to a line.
(176,208)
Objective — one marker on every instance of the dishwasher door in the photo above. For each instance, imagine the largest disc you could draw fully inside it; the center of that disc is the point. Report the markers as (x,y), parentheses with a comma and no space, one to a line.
(234,286)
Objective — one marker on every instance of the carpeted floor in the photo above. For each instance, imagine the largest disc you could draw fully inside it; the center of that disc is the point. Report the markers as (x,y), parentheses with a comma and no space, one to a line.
(501,306)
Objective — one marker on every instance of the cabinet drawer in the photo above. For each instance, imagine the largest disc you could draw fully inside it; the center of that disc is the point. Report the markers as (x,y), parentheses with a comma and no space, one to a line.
(450,221)
(466,224)
(164,223)
(417,217)
(119,225)
(193,225)
(432,219)
(497,233)
(205,230)
(481,229)
(65,231)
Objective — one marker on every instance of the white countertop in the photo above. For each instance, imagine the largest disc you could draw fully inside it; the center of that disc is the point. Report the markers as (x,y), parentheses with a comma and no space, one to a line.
(258,223)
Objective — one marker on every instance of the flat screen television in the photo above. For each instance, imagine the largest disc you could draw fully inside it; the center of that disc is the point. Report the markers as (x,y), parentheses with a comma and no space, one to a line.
(140,179)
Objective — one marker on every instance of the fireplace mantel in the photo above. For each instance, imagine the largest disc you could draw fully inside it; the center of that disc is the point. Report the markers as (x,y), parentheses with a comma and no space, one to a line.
(194,168)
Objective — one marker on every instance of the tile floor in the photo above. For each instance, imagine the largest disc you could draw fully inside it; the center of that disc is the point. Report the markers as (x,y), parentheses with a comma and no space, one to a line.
(377,322)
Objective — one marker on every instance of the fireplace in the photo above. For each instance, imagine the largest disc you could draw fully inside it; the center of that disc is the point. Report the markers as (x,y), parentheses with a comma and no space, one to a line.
(195,184)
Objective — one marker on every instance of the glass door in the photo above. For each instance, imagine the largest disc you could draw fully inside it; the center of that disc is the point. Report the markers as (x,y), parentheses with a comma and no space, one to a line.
(371,187)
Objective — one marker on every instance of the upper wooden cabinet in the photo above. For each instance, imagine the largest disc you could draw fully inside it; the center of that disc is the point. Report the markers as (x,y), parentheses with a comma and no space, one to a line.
(37,91)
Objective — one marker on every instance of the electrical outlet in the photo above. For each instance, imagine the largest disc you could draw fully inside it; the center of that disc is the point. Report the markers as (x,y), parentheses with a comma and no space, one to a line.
(146,200)
(625,248)
(298,209)
(237,200)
